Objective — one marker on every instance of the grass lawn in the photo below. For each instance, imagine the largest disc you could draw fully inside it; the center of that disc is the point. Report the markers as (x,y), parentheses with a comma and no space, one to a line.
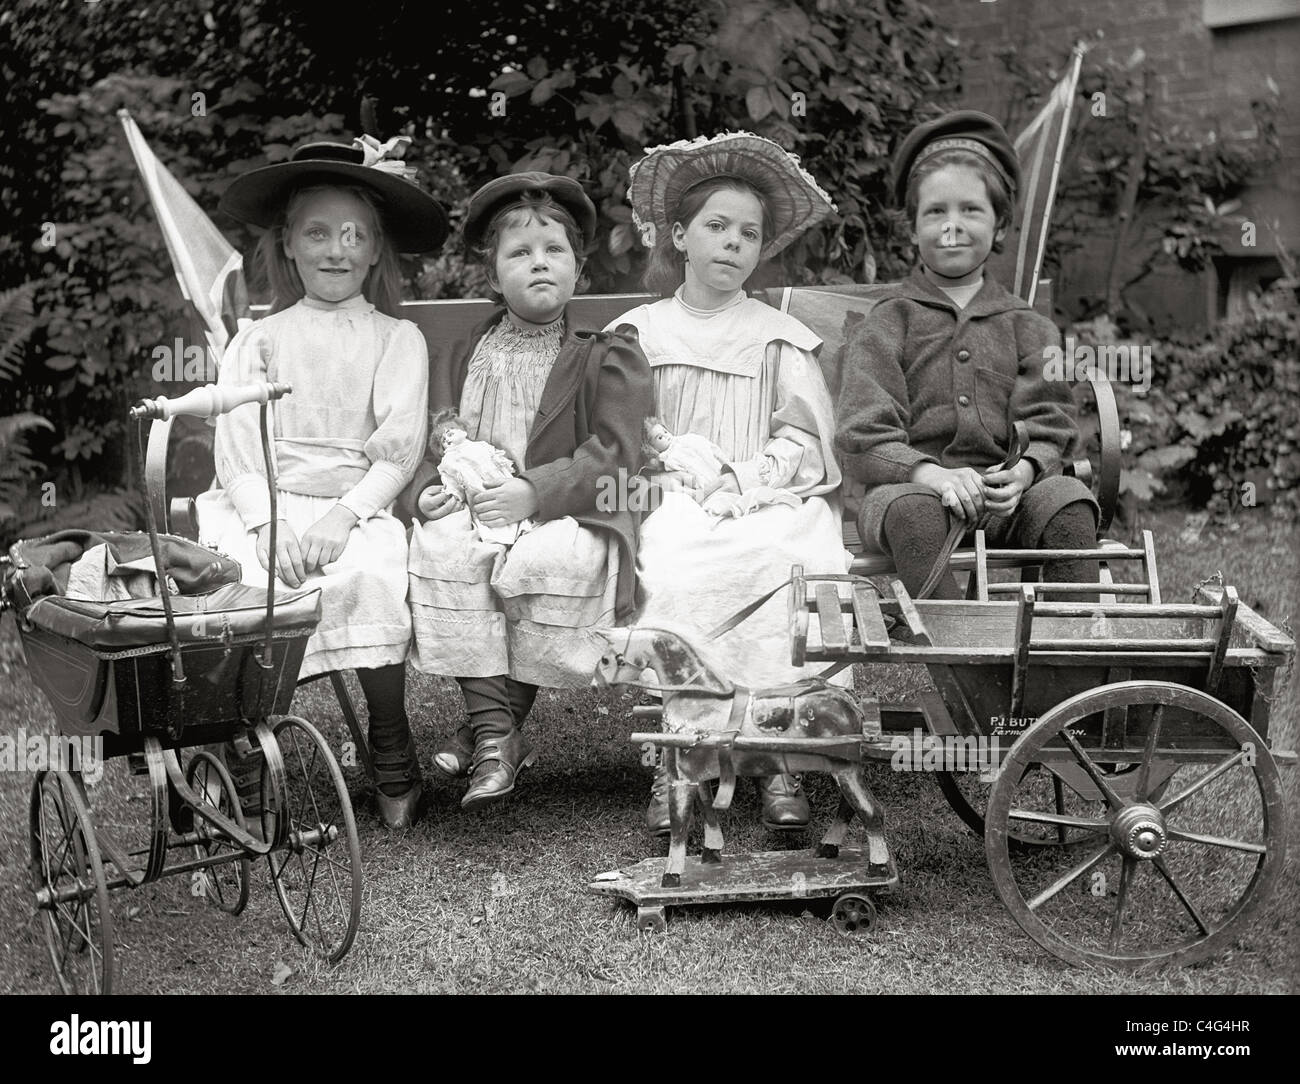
(496,902)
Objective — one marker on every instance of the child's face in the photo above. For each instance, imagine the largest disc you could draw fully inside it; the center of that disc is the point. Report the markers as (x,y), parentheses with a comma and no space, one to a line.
(955,226)
(722,244)
(660,438)
(333,244)
(535,270)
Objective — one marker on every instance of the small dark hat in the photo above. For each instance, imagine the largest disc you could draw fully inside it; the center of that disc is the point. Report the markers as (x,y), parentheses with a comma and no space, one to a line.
(413,220)
(500,192)
(965,129)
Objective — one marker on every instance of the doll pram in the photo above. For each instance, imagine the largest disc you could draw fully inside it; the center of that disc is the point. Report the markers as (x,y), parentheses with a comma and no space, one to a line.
(106,666)
(202,660)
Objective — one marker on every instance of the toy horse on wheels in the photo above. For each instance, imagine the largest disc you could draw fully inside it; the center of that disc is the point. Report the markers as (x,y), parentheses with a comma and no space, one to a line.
(715,730)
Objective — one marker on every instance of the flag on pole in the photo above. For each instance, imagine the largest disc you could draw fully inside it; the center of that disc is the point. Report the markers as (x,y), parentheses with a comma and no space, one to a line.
(1039,149)
(210,272)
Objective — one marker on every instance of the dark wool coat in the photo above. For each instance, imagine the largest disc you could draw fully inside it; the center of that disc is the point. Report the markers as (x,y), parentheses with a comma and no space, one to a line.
(587,428)
(925,381)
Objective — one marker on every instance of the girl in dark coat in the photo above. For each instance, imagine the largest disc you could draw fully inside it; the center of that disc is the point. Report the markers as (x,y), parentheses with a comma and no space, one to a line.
(567,406)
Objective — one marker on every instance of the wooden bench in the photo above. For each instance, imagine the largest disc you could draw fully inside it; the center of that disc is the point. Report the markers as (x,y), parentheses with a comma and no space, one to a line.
(830,311)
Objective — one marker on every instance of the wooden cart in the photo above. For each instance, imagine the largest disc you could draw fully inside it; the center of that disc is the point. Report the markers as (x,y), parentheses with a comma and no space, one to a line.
(1135,813)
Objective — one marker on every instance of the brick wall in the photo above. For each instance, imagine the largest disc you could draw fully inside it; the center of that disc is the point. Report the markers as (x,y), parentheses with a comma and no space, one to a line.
(1203,76)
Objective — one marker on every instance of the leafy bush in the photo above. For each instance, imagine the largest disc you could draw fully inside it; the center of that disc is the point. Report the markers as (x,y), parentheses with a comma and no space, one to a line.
(17,467)
(1220,426)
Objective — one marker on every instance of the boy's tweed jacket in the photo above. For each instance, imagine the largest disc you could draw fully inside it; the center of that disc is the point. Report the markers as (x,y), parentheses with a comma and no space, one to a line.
(925,381)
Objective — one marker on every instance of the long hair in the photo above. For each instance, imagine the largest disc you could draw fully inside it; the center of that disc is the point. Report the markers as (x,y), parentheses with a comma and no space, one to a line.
(533,205)
(1000,195)
(383,283)
(666,269)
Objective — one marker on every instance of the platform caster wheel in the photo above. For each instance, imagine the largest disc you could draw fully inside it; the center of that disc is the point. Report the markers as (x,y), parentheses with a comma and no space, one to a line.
(651,920)
(853,914)
(68,880)
(317,871)
(225,886)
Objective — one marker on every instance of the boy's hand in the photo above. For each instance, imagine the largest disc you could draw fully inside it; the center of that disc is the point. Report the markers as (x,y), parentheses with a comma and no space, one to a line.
(288,555)
(437,501)
(503,503)
(960,489)
(326,539)
(1004,488)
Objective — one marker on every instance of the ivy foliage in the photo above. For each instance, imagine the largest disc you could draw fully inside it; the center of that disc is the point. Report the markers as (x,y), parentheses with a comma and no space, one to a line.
(578,89)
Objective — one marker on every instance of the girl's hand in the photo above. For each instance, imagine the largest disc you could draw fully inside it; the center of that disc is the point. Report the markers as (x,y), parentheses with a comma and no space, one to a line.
(288,554)
(503,503)
(727,483)
(1004,488)
(325,539)
(438,501)
(961,489)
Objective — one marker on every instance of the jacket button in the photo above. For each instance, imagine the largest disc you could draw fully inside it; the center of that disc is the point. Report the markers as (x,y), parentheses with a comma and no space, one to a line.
(963,355)
(964,400)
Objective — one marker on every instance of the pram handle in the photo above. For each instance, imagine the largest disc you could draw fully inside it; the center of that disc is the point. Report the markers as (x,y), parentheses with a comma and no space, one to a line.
(209,401)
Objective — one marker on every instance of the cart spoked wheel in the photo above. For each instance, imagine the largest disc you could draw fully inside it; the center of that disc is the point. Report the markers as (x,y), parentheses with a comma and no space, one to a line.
(852,914)
(1165,874)
(1070,791)
(69,884)
(225,886)
(317,873)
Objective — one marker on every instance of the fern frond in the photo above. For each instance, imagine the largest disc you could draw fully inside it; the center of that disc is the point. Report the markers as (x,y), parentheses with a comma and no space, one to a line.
(17,324)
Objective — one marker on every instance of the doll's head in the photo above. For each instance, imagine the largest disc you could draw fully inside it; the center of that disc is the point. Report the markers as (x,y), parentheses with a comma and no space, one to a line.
(446,430)
(717,234)
(531,251)
(657,438)
(331,246)
(958,211)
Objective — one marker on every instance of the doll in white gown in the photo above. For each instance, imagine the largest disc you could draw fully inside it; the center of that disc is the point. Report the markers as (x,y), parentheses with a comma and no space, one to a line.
(467,467)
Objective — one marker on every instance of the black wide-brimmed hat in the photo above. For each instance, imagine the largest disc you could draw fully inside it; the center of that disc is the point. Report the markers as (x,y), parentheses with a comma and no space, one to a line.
(413,220)
(964,129)
(658,181)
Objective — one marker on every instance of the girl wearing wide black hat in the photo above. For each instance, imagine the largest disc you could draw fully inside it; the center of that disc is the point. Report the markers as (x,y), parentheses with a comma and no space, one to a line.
(349,437)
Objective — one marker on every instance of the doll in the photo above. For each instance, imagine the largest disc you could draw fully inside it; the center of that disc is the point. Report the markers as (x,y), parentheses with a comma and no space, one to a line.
(467,467)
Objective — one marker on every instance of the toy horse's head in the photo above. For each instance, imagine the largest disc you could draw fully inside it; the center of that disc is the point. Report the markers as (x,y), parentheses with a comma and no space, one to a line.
(676,661)
(625,660)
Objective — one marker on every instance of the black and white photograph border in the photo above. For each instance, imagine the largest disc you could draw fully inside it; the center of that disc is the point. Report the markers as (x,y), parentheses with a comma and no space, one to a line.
(989,781)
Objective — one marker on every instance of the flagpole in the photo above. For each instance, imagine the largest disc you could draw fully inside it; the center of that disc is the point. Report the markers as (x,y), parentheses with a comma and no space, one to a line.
(1075,68)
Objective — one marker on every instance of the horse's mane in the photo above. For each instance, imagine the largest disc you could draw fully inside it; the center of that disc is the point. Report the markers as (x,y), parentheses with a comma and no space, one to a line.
(695,640)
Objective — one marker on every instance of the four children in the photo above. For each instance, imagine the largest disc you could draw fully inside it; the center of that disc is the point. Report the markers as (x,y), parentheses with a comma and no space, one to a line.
(502,582)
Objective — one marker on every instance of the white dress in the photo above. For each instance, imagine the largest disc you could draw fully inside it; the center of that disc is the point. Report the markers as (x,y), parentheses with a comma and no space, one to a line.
(745,378)
(481,608)
(352,432)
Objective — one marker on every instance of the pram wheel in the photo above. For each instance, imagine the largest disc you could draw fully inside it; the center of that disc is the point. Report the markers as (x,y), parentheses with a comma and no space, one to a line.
(317,873)
(225,886)
(68,880)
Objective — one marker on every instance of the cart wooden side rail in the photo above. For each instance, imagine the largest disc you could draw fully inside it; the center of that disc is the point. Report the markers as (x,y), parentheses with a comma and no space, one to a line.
(1135,815)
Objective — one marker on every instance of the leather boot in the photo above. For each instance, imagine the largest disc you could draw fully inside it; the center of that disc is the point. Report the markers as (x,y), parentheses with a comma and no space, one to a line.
(244,760)
(455,756)
(785,806)
(398,786)
(497,761)
(657,820)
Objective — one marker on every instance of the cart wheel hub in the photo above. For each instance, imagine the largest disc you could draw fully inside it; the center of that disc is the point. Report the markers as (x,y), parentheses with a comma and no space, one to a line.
(1139,831)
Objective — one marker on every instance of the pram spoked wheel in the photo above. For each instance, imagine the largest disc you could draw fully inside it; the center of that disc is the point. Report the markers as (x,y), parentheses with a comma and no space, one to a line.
(317,871)
(69,884)
(224,886)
